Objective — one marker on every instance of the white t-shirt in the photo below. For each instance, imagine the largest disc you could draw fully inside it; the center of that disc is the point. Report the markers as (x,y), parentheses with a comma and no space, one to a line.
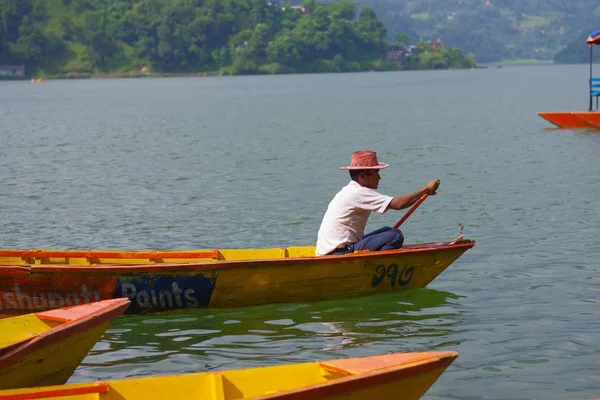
(346,216)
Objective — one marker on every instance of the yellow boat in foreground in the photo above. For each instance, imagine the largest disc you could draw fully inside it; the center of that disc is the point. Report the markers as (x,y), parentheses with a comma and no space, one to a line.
(33,280)
(393,376)
(45,348)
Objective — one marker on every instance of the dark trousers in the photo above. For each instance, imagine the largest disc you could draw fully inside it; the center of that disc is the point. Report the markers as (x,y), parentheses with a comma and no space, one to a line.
(385,238)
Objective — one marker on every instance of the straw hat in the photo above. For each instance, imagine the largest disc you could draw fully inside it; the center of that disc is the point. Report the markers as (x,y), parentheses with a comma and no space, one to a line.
(365,159)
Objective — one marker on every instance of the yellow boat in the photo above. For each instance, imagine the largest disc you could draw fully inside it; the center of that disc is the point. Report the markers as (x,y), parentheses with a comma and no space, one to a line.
(44,348)
(34,280)
(402,375)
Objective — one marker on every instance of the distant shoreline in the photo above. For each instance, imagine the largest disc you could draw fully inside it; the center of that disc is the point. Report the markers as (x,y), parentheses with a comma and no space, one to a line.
(115,75)
(125,75)
(137,74)
(517,63)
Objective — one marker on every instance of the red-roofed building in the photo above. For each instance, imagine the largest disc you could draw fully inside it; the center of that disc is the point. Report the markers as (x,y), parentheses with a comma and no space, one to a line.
(435,45)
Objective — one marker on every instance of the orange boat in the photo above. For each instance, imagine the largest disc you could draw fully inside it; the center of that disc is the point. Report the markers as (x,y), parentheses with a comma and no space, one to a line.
(581,119)
(44,348)
(391,376)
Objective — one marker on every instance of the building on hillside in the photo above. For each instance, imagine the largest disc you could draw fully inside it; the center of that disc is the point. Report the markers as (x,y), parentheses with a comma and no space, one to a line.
(299,8)
(435,45)
(12,70)
(397,53)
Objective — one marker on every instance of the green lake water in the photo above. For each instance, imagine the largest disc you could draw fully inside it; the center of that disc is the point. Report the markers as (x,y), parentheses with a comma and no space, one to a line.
(222,162)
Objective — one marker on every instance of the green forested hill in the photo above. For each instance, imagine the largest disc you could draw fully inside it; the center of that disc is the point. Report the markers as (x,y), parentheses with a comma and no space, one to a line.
(493,30)
(83,37)
(258,36)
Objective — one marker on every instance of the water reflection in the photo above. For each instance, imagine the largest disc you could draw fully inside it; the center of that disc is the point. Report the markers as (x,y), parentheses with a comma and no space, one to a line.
(202,340)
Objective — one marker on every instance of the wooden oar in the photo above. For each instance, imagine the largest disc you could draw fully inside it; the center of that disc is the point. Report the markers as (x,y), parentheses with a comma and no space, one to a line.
(412,209)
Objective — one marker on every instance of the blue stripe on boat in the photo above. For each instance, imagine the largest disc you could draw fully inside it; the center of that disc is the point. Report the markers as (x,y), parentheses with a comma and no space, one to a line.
(165,292)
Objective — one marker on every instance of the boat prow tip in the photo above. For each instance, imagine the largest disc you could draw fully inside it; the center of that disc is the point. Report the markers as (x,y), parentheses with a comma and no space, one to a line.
(462,240)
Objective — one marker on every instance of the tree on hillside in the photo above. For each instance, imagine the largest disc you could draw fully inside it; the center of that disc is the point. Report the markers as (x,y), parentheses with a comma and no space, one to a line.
(284,50)
(11,15)
(100,46)
(259,12)
(403,38)
(309,5)
(372,33)
(31,45)
(344,9)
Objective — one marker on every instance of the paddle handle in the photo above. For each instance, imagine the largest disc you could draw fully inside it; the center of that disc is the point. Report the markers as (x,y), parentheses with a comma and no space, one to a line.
(409,212)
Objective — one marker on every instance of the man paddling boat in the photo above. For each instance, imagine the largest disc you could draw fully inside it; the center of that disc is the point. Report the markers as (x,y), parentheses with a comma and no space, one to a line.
(343,226)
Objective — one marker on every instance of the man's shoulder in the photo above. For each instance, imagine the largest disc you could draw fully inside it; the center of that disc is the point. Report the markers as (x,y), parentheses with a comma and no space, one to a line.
(367,191)
(348,188)
(354,188)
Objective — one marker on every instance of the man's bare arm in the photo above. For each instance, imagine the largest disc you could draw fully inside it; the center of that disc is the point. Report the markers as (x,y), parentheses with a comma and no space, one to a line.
(407,200)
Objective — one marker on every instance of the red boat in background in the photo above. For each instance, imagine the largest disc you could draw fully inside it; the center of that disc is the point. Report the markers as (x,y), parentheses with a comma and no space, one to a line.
(581,119)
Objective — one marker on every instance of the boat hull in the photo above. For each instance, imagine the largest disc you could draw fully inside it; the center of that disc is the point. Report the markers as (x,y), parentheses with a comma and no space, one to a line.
(568,120)
(573,120)
(225,284)
(45,348)
(591,118)
(407,376)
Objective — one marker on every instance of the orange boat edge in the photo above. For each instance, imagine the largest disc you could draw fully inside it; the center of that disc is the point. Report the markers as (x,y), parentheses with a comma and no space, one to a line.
(567,119)
(408,375)
(44,348)
(591,118)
